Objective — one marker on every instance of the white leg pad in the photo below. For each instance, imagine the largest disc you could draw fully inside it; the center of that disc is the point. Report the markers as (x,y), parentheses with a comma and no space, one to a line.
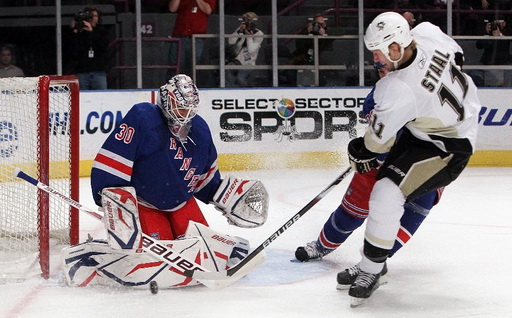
(121,217)
(220,251)
(96,263)
(386,209)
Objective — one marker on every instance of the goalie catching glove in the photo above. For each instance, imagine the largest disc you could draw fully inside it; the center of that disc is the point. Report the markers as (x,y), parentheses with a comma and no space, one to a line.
(361,159)
(243,202)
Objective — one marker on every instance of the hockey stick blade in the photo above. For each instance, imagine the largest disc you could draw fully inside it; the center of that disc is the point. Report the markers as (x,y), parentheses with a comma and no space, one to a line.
(247,264)
(149,244)
(217,280)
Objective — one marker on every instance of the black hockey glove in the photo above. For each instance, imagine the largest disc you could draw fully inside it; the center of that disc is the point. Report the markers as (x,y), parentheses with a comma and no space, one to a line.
(361,159)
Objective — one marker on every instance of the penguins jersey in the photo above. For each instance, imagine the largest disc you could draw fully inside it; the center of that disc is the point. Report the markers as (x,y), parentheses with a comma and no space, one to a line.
(165,172)
(430,96)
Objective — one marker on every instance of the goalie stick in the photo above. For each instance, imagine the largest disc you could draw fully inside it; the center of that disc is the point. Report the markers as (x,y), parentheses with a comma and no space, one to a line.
(251,261)
(149,244)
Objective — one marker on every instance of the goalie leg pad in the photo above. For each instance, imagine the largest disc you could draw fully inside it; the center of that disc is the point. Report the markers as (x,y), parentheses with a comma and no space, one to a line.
(121,217)
(243,202)
(220,251)
(96,263)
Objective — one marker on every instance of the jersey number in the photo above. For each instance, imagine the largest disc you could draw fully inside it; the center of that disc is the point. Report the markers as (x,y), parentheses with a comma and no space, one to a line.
(377,127)
(446,95)
(125,134)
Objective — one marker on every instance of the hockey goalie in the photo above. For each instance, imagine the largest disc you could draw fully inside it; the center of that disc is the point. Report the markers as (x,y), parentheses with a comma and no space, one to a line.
(147,177)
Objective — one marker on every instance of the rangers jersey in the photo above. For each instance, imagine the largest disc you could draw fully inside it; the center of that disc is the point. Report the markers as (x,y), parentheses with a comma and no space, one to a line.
(165,172)
(430,96)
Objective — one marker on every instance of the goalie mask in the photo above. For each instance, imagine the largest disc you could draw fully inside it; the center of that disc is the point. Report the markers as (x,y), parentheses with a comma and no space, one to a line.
(179,101)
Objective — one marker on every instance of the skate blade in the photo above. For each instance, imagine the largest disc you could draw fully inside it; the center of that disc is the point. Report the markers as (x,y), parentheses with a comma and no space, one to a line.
(342,287)
(356,302)
(294,260)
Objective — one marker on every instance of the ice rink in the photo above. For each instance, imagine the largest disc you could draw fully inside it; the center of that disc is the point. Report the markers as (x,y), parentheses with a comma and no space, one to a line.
(457,265)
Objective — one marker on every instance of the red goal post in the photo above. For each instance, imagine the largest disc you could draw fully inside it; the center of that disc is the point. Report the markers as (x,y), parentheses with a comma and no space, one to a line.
(39,133)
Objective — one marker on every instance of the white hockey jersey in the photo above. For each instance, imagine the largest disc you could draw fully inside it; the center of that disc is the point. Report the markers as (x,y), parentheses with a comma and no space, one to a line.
(431,96)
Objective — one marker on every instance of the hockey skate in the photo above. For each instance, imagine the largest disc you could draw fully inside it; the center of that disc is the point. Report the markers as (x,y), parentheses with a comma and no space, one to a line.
(347,277)
(363,287)
(311,251)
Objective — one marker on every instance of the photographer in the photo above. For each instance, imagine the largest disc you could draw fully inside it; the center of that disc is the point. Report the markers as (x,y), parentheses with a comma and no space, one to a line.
(304,53)
(89,42)
(304,48)
(496,52)
(243,50)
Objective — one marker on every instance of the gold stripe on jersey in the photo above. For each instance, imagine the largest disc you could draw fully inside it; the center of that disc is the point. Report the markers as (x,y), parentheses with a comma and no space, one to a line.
(376,147)
(422,171)
(431,125)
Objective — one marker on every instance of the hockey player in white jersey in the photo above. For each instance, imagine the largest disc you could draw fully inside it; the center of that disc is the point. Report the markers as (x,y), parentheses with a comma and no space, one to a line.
(429,98)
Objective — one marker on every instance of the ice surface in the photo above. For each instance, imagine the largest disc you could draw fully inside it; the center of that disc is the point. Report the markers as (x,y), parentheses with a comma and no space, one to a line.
(457,265)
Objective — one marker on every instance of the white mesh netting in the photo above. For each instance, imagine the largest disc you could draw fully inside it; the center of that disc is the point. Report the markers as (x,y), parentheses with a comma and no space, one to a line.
(20,147)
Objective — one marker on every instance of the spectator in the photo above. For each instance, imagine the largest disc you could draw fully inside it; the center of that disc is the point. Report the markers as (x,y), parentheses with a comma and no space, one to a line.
(304,53)
(409,16)
(496,52)
(7,69)
(435,12)
(192,18)
(471,22)
(304,48)
(90,44)
(243,51)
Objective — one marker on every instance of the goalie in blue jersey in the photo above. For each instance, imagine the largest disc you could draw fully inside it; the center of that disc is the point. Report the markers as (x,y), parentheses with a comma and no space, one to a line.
(147,177)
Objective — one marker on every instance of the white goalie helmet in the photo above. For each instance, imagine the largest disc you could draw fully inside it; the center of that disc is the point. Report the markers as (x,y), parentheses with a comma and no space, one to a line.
(385,29)
(179,99)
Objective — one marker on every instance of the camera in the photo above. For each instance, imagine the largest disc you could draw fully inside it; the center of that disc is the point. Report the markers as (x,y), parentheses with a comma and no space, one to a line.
(80,17)
(316,28)
(250,26)
(495,25)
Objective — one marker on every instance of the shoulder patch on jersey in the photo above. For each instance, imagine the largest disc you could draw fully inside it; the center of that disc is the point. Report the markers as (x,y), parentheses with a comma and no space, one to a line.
(422,61)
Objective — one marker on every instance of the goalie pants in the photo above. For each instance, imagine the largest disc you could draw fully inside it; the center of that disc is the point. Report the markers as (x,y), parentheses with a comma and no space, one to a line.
(165,225)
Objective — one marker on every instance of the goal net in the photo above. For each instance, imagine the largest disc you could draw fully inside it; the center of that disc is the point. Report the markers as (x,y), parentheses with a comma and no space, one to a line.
(39,135)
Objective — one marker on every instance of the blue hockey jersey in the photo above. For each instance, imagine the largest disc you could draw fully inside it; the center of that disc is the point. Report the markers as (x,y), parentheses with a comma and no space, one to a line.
(143,153)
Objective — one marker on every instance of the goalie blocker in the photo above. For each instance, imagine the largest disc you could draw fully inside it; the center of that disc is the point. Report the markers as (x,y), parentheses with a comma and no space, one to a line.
(243,202)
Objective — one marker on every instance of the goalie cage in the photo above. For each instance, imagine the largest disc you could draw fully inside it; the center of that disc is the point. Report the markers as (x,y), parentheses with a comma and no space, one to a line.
(39,134)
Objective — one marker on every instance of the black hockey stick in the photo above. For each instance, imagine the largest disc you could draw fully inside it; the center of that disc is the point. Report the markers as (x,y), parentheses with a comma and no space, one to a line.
(150,245)
(256,257)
